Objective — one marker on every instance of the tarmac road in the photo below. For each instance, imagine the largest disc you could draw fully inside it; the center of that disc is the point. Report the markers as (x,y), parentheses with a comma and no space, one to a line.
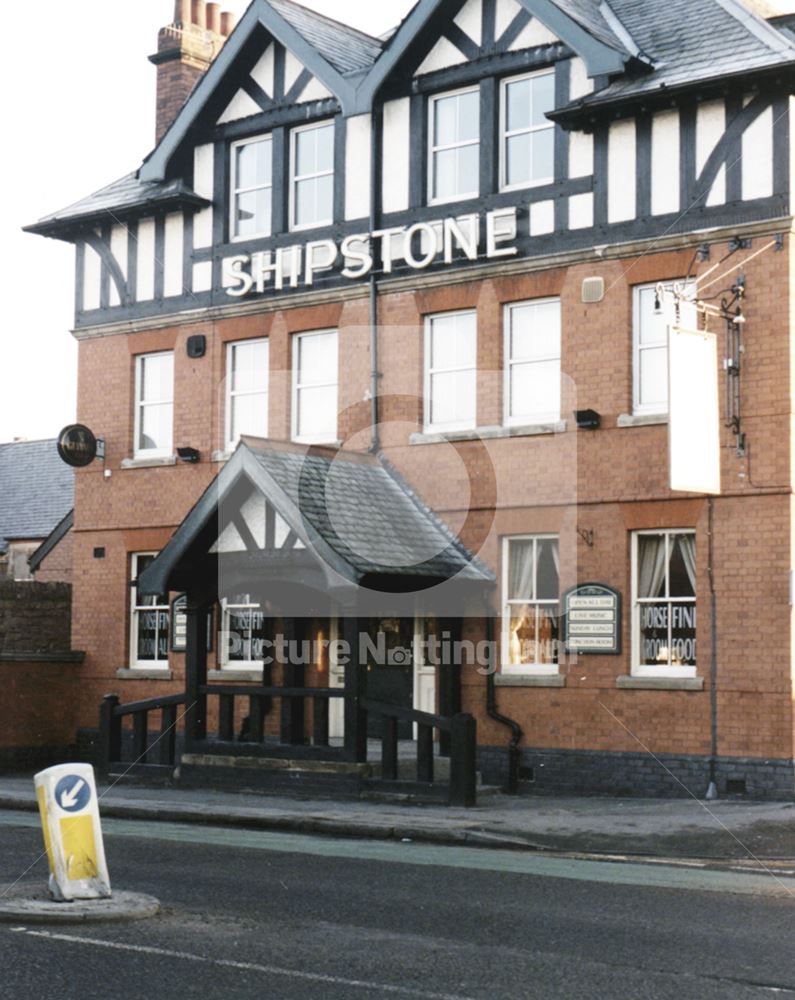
(250,914)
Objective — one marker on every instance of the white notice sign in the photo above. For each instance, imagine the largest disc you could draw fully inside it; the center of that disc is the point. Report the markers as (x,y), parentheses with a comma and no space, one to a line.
(694,419)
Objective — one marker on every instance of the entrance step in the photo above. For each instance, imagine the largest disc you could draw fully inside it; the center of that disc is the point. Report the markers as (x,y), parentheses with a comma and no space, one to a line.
(315,779)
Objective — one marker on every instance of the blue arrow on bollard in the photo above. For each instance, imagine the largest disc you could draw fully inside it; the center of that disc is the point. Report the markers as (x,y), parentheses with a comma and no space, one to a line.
(72,793)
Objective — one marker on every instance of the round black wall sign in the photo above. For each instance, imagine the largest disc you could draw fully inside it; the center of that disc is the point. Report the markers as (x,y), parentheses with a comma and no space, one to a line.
(77,446)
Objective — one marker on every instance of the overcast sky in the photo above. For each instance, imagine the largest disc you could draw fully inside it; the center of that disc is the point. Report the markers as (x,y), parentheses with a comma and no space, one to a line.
(79,105)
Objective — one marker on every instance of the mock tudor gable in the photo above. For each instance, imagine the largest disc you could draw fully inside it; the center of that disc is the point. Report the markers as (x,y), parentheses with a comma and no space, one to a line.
(646,129)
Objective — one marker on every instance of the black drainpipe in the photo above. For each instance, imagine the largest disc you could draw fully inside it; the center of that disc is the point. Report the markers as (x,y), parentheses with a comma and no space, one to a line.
(491,708)
(375,374)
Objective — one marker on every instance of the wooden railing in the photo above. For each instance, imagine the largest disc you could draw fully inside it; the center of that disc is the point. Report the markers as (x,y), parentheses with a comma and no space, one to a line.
(150,751)
(163,750)
(462,730)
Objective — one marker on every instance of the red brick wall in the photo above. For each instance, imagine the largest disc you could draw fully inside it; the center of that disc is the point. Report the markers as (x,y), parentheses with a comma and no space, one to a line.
(45,710)
(57,566)
(610,482)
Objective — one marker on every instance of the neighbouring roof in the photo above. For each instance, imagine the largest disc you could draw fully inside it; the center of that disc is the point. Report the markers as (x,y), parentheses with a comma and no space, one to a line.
(351,510)
(347,49)
(36,490)
(692,41)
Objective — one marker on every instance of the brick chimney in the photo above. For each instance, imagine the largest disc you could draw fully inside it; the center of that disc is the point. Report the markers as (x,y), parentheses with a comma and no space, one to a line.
(185,50)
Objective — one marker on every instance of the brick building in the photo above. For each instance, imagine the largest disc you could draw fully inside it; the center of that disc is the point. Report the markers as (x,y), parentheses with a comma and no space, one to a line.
(437,269)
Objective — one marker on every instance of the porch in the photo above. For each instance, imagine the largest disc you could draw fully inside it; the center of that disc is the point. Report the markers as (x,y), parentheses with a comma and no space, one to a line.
(334,551)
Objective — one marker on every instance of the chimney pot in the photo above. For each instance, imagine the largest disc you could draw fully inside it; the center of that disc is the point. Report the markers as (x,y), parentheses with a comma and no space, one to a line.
(182,13)
(199,13)
(227,23)
(214,18)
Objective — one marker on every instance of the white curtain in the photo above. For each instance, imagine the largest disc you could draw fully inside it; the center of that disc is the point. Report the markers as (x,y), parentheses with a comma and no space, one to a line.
(651,565)
(521,571)
(687,546)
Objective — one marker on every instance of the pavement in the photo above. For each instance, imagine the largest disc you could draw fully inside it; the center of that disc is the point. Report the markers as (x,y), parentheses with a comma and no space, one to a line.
(721,830)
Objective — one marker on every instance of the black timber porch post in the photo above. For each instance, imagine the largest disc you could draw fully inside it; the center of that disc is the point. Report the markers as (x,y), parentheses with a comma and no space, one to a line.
(355,691)
(449,676)
(196,673)
(292,723)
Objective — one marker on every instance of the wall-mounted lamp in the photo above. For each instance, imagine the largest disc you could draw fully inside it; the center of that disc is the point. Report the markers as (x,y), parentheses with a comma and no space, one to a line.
(588,420)
(189,455)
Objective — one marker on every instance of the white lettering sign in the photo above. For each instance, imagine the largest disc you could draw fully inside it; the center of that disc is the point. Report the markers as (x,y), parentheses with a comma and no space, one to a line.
(419,245)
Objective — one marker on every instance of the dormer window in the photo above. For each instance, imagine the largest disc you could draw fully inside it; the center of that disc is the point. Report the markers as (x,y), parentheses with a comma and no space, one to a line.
(455,146)
(312,176)
(252,188)
(528,136)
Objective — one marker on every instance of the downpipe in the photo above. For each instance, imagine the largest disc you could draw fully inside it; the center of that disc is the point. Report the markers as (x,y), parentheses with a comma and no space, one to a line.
(491,709)
(375,374)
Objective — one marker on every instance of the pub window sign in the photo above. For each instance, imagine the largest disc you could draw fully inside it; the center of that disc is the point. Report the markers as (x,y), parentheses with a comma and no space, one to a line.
(592,617)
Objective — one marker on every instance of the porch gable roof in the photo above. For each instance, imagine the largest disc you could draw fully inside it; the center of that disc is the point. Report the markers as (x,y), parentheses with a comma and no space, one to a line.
(350,510)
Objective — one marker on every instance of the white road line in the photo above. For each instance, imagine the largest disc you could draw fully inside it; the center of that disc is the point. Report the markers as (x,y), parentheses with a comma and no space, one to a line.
(270,970)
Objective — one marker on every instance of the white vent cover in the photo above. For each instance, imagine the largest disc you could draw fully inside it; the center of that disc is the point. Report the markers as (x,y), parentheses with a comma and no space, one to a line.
(593,290)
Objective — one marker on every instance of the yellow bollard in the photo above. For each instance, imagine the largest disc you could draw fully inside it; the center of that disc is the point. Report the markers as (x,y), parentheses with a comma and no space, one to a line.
(67,797)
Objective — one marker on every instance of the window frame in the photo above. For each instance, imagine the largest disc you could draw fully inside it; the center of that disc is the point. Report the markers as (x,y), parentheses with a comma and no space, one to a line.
(230,394)
(509,363)
(162,666)
(640,409)
(297,387)
(639,669)
(428,372)
(234,190)
(433,149)
(295,227)
(505,135)
(224,663)
(526,669)
(141,454)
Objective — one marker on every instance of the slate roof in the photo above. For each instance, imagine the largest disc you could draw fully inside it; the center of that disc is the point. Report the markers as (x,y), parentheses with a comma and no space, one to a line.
(353,511)
(346,49)
(36,490)
(588,14)
(368,515)
(691,41)
(122,196)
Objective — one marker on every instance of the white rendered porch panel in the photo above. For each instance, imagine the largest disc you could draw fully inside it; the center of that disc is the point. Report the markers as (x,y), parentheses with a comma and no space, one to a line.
(710,126)
(293,68)
(357,167)
(203,276)
(241,106)
(758,158)
(470,20)
(229,541)
(665,170)
(621,167)
(580,84)
(263,72)
(253,513)
(92,278)
(532,36)
(397,155)
(314,91)
(442,55)
(173,254)
(118,247)
(146,261)
(203,183)
(580,154)
(505,13)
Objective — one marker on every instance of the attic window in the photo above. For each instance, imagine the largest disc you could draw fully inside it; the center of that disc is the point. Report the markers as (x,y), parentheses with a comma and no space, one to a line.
(252,187)
(312,176)
(455,146)
(528,136)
